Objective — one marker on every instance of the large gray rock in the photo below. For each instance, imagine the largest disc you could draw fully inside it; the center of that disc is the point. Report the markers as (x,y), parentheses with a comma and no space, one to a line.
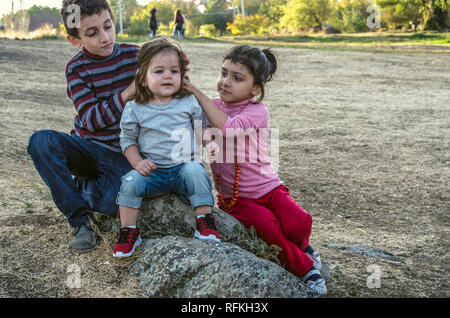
(174,266)
(168,215)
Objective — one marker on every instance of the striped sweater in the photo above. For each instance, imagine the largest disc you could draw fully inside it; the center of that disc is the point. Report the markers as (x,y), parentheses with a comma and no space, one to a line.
(94,84)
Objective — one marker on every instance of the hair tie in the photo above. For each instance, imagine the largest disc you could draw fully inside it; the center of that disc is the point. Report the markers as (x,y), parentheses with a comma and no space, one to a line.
(266,66)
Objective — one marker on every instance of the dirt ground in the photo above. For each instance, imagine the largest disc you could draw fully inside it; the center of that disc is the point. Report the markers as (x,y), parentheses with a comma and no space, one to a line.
(364,148)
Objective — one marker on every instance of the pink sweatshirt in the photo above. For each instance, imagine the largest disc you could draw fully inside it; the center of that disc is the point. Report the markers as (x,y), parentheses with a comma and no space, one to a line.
(257,176)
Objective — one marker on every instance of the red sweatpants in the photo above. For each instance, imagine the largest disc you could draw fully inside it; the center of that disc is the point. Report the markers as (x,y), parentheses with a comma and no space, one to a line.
(279,220)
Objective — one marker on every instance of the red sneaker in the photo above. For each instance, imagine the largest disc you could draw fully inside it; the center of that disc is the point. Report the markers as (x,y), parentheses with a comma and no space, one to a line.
(127,241)
(206,228)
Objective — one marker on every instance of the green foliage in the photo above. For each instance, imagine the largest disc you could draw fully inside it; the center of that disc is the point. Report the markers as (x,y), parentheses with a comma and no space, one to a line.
(20,20)
(350,16)
(272,10)
(164,15)
(254,24)
(300,14)
(36,9)
(250,241)
(165,10)
(128,9)
(208,30)
(218,14)
(251,6)
(428,14)
(264,16)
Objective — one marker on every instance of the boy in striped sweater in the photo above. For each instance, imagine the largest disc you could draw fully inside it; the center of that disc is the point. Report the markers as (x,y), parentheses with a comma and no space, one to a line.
(83,169)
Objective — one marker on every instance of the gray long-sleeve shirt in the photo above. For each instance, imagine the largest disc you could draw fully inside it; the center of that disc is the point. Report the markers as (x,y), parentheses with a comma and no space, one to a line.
(164,134)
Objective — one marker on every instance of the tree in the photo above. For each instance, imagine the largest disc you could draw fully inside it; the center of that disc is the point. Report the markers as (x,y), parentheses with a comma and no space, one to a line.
(350,15)
(272,10)
(36,9)
(253,24)
(128,9)
(299,14)
(429,14)
(217,13)
(140,18)
(434,13)
(251,6)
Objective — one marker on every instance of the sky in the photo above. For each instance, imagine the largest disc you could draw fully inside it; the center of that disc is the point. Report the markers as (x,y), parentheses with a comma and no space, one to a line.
(5,5)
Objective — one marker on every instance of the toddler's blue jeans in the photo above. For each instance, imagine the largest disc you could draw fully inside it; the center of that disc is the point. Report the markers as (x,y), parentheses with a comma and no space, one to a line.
(58,157)
(189,181)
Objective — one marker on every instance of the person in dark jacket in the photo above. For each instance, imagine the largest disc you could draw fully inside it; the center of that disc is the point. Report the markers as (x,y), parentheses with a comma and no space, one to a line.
(153,24)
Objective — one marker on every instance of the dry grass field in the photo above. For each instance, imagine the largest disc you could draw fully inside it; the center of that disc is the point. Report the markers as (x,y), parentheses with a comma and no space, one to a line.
(364,147)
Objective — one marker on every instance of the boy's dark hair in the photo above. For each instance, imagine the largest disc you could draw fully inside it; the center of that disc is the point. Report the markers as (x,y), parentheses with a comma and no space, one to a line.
(86,8)
(146,53)
(262,64)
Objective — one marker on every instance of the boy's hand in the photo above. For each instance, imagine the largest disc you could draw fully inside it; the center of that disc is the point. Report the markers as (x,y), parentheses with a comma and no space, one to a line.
(129,93)
(145,167)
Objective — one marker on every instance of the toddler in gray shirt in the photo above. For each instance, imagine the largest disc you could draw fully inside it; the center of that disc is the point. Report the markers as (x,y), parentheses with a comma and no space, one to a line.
(157,137)
(164,133)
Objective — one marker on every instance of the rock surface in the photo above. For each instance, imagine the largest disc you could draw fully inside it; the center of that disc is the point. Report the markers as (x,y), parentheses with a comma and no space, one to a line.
(366,250)
(168,215)
(175,264)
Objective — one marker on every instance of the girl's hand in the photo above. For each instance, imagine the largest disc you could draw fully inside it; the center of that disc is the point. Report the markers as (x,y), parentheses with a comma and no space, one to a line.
(145,167)
(186,61)
(187,85)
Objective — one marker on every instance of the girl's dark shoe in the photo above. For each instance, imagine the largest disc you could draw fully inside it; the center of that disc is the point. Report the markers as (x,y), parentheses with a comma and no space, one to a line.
(314,280)
(314,256)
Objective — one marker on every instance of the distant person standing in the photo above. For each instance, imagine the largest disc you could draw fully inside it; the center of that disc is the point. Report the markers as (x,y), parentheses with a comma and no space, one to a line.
(179,22)
(183,28)
(153,24)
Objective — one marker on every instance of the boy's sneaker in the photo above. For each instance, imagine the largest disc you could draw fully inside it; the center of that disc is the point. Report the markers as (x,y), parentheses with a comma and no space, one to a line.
(84,238)
(314,256)
(127,241)
(314,280)
(206,228)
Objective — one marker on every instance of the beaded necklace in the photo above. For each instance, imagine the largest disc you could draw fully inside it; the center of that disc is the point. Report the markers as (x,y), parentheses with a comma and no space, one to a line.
(232,202)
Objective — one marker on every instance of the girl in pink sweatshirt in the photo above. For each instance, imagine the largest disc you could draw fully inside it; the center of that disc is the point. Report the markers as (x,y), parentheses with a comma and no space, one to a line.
(248,187)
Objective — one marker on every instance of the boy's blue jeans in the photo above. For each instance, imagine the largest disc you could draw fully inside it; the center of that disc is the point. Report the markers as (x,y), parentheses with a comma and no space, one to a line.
(188,180)
(97,170)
